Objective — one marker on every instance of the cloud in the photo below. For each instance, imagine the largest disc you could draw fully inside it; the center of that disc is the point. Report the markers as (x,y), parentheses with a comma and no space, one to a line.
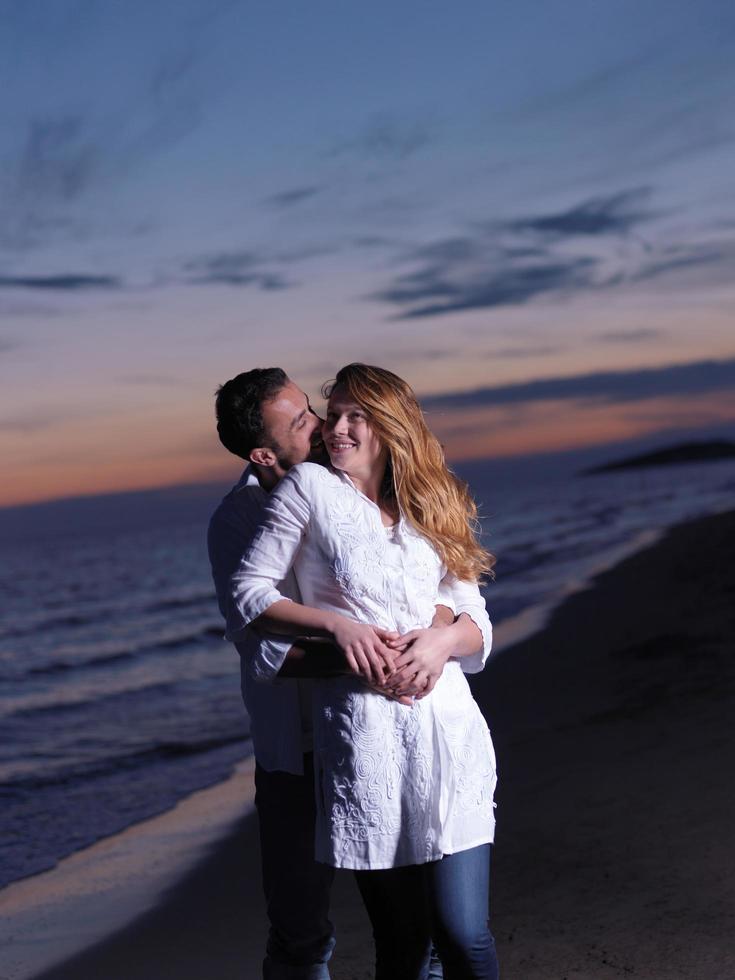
(523,352)
(287,199)
(605,386)
(233,269)
(615,213)
(680,258)
(152,380)
(386,137)
(57,160)
(634,336)
(436,289)
(61,283)
(589,246)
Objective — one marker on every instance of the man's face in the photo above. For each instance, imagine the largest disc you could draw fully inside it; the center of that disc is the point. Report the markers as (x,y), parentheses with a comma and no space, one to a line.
(292,429)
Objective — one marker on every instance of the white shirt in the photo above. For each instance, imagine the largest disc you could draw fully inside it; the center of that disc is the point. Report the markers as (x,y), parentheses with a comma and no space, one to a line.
(395,785)
(279,709)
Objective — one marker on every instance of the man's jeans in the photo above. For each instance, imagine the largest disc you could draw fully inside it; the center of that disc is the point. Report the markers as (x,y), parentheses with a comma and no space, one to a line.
(301,937)
(446,900)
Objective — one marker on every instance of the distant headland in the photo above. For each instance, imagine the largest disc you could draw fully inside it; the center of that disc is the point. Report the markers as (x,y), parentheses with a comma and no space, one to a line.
(685,452)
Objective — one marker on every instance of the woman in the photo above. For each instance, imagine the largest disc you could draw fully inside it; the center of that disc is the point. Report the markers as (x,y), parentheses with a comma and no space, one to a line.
(404,794)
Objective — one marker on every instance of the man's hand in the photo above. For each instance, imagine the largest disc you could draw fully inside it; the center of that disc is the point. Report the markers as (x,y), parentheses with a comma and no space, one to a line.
(422,656)
(365,652)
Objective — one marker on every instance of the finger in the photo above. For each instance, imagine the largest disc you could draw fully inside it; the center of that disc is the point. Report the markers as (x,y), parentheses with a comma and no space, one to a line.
(404,676)
(386,635)
(407,685)
(410,636)
(364,666)
(430,684)
(416,685)
(376,665)
(398,645)
(403,660)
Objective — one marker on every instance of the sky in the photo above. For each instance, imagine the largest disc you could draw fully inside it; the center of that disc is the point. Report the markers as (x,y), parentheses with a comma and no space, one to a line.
(527,210)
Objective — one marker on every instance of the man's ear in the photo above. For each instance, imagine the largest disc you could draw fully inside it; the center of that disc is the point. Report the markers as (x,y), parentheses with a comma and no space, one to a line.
(263,457)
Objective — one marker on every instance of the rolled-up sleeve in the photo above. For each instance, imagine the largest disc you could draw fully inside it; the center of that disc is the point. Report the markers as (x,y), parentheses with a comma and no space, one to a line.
(467,598)
(254,584)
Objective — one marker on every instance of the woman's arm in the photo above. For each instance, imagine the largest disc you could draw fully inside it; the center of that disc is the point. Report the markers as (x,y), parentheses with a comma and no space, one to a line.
(425,652)
(255,598)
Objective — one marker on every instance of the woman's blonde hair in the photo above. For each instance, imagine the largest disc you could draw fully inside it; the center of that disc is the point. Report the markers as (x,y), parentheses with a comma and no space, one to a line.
(431,497)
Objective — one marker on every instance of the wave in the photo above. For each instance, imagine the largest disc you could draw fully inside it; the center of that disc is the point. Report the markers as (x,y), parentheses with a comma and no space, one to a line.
(125,762)
(180,602)
(63,665)
(74,620)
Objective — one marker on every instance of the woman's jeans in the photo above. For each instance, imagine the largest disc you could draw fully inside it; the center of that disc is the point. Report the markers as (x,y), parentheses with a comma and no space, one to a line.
(445,901)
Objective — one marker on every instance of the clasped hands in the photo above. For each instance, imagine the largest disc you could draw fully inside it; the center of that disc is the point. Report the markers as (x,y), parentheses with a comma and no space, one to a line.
(403,667)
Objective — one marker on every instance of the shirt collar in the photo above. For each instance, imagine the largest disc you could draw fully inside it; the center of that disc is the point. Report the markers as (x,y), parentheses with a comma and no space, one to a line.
(247,479)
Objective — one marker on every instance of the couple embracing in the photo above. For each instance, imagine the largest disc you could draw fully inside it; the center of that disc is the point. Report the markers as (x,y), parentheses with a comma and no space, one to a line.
(350,590)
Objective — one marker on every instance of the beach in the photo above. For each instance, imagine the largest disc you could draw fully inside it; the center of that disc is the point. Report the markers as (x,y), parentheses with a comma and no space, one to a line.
(613,729)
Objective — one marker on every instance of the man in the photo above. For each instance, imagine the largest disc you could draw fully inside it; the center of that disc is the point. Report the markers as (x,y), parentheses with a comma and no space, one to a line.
(264,418)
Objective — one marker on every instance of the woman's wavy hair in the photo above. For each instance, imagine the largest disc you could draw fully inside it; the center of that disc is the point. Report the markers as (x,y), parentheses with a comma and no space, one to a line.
(429,495)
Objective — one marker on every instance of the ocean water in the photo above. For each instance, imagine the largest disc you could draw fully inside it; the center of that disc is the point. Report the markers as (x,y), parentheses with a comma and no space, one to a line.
(118,695)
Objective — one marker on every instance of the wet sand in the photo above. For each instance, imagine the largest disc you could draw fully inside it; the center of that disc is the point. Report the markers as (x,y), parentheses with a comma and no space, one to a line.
(616,805)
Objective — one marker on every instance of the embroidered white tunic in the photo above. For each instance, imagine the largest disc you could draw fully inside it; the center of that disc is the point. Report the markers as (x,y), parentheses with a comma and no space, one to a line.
(395,785)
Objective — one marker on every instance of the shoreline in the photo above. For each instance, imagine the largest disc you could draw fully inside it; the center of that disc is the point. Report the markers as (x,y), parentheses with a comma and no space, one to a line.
(93,893)
(605,692)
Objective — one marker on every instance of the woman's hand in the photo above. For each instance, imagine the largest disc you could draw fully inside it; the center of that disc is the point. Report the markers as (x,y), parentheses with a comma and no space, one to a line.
(365,649)
(423,654)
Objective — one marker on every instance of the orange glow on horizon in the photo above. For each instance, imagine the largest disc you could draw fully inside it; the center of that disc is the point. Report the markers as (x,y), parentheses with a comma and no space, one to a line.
(144,457)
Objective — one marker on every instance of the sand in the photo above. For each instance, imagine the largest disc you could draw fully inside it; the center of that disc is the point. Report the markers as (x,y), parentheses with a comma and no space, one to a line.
(616,806)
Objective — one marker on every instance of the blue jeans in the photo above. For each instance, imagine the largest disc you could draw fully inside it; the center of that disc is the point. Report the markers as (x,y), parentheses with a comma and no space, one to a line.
(446,901)
(301,937)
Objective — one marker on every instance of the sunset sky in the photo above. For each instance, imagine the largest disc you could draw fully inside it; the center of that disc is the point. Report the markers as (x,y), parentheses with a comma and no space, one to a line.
(527,210)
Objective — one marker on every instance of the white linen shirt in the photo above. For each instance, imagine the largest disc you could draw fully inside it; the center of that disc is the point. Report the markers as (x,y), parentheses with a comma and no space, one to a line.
(395,785)
(279,709)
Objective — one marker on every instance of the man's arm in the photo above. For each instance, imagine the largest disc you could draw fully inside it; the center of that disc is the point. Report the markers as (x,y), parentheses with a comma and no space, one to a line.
(314,658)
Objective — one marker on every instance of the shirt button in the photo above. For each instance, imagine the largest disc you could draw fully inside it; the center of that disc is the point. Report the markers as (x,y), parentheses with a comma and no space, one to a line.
(402,607)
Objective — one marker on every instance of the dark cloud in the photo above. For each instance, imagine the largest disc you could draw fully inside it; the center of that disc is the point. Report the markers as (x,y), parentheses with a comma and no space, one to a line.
(58,159)
(435,290)
(304,253)
(287,199)
(630,336)
(699,377)
(376,242)
(385,137)
(510,353)
(29,309)
(509,263)
(586,88)
(25,424)
(152,380)
(63,283)
(615,213)
(233,269)
(681,258)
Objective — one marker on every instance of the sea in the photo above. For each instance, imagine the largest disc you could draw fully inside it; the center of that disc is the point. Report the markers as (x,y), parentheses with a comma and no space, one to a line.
(119,695)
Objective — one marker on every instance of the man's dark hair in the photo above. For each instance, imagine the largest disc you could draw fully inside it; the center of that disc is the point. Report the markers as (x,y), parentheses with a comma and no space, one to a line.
(238,407)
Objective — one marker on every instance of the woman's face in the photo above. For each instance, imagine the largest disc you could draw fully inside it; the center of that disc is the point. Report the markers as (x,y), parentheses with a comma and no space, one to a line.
(352,445)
